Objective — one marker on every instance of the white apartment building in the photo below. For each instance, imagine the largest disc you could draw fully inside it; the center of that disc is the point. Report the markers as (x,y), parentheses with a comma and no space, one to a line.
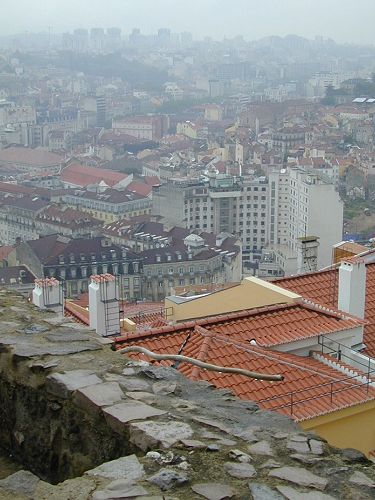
(303,204)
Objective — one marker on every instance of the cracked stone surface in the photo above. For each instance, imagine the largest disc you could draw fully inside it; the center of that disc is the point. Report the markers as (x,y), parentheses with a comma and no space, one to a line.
(292,494)
(98,395)
(151,434)
(22,482)
(361,478)
(300,476)
(61,384)
(263,492)
(214,491)
(120,489)
(261,448)
(125,468)
(165,479)
(241,471)
(122,413)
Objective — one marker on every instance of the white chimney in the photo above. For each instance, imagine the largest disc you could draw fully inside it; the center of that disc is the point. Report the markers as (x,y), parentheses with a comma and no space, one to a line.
(48,295)
(104,308)
(352,287)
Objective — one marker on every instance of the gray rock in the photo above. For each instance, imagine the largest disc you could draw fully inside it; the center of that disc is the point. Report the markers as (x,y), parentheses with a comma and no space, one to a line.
(40,365)
(34,329)
(146,397)
(292,494)
(241,471)
(263,492)
(351,455)
(122,413)
(226,442)
(271,464)
(152,434)
(280,435)
(62,384)
(133,384)
(240,456)
(95,397)
(126,468)
(164,388)
(298,446)
(299,476)
(214,491)
(261,448)
(218,424)
(166,479)
(305,459)
(247,434)
(68,335)
(30,350)
(193,444)
(336,470)
(316,447)
(361,479)
(299,438)
(22,482)
(213,447)
(119,489)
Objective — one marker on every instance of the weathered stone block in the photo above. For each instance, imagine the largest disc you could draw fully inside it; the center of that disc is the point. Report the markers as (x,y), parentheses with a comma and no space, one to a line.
(152,434)
(119,415)
(214,491)
(63,384)
(300,476)
(96,396)
(126,468)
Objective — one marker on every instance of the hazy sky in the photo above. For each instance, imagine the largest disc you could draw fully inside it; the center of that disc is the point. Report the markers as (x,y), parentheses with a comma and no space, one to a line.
(343,20)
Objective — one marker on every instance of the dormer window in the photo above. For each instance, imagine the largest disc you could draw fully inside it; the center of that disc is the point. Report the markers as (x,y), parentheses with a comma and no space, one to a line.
(72,258)
(169,258)
(61,259)
(179,256)
(158,258)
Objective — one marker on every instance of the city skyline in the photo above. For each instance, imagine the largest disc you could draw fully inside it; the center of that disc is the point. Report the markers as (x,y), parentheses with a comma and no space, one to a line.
(335,19)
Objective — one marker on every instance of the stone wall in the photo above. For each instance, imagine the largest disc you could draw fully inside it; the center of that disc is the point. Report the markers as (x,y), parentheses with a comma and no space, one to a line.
(96,425)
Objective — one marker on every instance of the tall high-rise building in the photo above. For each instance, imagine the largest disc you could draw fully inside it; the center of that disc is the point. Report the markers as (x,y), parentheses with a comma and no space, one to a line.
(101,110)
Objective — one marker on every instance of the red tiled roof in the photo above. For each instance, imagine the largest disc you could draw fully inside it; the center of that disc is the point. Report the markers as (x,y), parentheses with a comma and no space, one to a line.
(272,325)
(80,175)
(140,188)
(304,393)
(322,287)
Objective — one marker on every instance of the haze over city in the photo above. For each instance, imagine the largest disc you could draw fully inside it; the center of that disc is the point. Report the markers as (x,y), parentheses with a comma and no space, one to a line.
(343,20)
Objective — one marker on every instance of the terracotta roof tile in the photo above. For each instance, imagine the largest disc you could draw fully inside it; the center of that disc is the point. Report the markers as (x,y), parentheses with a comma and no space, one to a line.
(304,393)
(322,287)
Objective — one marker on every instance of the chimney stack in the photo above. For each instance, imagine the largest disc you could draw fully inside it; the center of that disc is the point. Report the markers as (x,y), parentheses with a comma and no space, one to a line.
(104,308)
(47,294)
(352,287)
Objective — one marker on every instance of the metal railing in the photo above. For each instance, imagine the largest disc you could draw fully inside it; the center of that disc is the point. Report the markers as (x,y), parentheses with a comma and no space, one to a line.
(338,352)
(345,385)
(331,388)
